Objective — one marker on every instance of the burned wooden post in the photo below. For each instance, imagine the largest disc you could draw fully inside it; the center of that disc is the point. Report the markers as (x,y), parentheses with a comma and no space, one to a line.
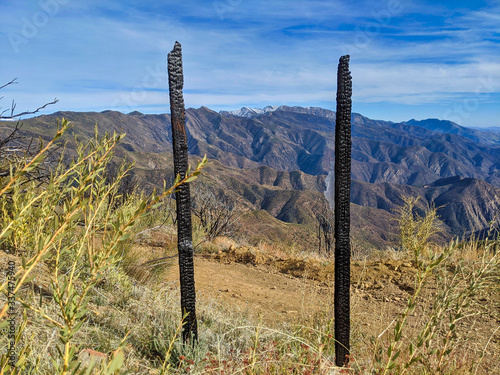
(183,198)
(342,212)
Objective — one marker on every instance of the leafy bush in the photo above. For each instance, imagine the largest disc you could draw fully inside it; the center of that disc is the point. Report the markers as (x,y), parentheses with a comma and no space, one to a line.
(69,225)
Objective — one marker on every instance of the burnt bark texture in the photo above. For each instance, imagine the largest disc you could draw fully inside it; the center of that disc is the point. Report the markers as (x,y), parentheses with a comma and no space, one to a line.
(342,212)
(325,232)
(184,225)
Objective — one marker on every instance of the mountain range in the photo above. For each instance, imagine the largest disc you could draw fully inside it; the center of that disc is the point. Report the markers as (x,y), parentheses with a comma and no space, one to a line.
(277,159)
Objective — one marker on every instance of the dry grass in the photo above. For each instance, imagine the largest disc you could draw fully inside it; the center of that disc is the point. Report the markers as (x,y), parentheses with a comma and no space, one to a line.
(230,342)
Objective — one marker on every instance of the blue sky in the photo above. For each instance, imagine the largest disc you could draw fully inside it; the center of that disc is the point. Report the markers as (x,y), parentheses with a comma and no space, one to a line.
(409,59)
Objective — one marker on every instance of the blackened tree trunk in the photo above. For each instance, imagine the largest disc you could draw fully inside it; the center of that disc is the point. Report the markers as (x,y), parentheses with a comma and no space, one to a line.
(342,212)
(184,226)
(325,229)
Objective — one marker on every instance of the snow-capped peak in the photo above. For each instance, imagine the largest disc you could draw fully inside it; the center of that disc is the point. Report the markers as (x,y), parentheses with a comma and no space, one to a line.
(250,112)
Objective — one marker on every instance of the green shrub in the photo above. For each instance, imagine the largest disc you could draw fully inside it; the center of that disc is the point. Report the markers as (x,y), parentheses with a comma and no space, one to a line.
(69,225)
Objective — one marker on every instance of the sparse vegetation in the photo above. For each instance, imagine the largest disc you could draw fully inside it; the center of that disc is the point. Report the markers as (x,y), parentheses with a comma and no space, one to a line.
(429,348)
(217,215)
(415,231)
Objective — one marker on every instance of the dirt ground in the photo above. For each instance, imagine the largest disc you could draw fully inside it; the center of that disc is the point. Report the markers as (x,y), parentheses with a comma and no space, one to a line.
(279,290)
(268,295)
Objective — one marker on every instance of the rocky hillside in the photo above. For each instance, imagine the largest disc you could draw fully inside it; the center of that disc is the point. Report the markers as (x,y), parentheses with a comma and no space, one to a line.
(464,204)
(296,138)
(278,160)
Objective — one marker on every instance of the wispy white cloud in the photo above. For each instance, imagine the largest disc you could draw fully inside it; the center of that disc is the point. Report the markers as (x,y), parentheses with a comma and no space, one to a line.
(94,54)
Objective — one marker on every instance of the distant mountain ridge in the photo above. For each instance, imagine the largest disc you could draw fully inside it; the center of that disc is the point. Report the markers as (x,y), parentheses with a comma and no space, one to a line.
(439,126)
(492,129)
(449,127)
(297,138)
(249,112)
(388,159)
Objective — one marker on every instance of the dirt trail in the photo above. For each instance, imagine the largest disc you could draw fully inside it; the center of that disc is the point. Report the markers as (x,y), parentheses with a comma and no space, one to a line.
(281,290)
(269,295)
(284,290)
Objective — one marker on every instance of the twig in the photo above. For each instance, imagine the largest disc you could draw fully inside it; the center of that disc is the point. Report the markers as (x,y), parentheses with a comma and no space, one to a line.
(156,260)
(13,107)
(389,326)
(9,83)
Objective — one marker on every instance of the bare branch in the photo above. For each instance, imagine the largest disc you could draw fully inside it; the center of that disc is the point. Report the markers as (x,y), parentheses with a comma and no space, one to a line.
(217,213)
(9,83)
(10,137)
(12,115)
(13,106)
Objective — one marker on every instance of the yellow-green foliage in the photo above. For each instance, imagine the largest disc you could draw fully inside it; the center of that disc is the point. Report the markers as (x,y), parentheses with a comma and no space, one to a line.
(67,223)
(415,230)
(459,285)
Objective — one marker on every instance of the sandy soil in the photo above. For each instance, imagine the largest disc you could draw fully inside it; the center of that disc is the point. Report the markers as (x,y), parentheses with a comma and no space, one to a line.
(279,290)
(262,293)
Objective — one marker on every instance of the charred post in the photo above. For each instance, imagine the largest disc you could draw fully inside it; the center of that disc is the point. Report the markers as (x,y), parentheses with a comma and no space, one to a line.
(342,212)
(184,226)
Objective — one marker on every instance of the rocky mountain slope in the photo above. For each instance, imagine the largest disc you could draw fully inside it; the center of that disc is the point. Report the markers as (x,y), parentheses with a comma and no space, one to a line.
(296,138)
(464,204)
(287,153)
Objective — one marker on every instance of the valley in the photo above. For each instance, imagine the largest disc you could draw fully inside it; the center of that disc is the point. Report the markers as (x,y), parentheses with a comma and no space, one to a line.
(279,159)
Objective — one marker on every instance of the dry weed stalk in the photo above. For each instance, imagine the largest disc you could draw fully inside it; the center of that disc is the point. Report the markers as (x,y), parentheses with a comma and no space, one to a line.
(459,284)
